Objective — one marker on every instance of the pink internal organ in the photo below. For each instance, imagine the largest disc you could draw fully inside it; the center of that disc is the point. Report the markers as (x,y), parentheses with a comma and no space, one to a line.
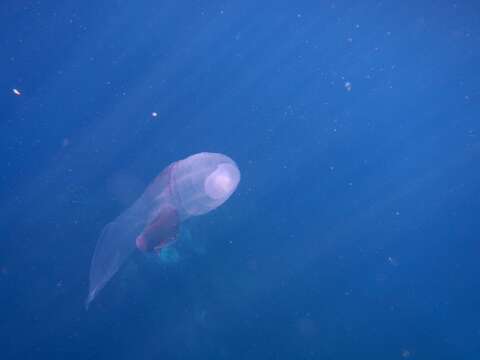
(160,232)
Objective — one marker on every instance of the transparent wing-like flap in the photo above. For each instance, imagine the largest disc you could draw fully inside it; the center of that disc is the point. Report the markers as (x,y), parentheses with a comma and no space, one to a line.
(114,245)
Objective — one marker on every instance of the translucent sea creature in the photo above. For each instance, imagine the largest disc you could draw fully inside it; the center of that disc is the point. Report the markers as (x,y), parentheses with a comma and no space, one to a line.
(189,187)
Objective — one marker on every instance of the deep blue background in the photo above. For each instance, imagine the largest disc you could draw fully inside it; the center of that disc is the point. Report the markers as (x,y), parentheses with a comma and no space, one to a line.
(354,232)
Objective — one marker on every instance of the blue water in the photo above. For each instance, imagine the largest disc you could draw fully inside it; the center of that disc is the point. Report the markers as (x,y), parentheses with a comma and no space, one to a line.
(354,232)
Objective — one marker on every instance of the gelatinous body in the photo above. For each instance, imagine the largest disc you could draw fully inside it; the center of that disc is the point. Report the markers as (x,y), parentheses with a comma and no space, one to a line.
(186,188)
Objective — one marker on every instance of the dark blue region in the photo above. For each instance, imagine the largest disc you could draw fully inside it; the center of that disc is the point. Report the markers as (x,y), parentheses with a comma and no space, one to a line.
(354,231)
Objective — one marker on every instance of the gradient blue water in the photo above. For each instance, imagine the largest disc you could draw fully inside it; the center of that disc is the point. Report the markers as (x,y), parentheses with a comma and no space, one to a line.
(354,232)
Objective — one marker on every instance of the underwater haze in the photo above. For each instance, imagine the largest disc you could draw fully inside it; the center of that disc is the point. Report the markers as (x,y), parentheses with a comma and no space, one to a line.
(353,233)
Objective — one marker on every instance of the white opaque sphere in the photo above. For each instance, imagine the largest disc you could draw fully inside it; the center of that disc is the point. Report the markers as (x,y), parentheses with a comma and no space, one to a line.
(203,182)
(221,183)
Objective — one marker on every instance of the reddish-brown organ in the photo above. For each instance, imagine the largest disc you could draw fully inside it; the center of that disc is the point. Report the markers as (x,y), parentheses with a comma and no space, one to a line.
(161,231)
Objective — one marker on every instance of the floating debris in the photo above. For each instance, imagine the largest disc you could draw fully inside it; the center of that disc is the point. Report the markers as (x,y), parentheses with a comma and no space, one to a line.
(392,261)
(406,353)
(16,92)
